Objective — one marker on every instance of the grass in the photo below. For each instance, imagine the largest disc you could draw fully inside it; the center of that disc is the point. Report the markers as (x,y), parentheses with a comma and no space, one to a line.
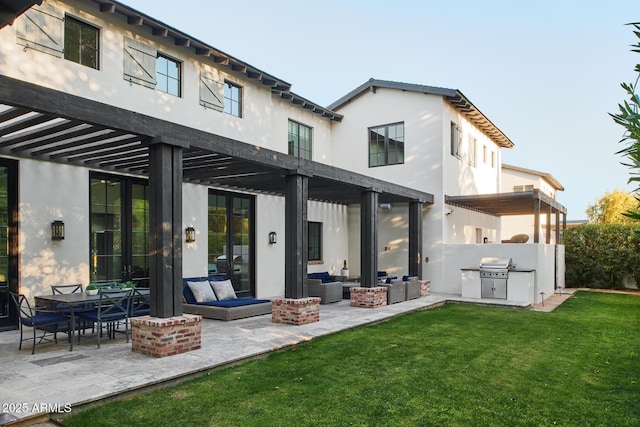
(455,365)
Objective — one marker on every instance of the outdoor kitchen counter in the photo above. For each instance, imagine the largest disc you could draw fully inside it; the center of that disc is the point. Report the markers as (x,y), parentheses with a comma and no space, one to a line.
(520,286)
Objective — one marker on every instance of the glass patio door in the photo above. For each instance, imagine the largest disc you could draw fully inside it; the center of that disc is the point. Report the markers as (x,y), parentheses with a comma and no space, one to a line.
(119,230)
(230,240)
(8,242)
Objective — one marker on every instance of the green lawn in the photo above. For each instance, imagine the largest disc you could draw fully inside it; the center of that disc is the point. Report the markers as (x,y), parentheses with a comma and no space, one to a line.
(457,365)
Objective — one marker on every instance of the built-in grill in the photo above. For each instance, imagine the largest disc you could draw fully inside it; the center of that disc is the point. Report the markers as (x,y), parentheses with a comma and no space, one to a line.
(494,274)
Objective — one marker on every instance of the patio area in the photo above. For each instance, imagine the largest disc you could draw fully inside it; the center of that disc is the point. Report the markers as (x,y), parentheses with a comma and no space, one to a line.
(56,380)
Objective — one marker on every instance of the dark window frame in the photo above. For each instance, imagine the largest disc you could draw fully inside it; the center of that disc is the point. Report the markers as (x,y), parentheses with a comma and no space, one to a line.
(294,140)
(229,99)
(314,238)
(386,140)
(79,47)
(456,140)
(165,76)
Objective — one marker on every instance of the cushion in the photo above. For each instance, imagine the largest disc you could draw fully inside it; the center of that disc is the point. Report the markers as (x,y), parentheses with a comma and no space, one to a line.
(407,278)
(224,290)
(202,291)
(239,302)
(324,276)
(390,279)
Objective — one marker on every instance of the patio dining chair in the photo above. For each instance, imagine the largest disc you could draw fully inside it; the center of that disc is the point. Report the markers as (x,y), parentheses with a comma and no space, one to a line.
(45,320)
(77,288)
(140,304)
(112,308)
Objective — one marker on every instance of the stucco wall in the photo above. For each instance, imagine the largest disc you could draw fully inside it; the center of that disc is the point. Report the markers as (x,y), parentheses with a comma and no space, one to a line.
(49,192)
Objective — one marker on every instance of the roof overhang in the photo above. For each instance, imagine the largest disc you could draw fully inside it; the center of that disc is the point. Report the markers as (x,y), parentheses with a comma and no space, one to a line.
(503,204)
(453,96)
(45,124)
(205,51)
(11,9)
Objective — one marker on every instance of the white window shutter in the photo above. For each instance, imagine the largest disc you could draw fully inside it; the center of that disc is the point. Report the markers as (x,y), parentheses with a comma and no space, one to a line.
(211,92)
(139,63)
(40,30)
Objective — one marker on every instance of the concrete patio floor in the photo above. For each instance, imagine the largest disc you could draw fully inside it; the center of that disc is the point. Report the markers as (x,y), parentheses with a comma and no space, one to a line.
(32,386)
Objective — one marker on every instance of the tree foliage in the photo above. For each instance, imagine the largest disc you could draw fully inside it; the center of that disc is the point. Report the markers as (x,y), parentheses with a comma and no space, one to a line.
(629,118)
(611,208)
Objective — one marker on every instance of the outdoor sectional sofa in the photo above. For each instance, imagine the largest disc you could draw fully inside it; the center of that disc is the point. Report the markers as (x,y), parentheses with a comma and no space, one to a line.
(228,309)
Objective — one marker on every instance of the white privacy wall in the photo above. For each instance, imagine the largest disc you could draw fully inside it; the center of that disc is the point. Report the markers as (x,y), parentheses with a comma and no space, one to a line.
(541,258)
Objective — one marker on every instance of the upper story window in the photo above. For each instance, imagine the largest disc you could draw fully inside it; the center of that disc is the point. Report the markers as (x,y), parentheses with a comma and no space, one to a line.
(300,144)
(520,188)
(386,145)
(168,75)
(472,151)
(81,42)
(232,99)
(493,159)
(456,140)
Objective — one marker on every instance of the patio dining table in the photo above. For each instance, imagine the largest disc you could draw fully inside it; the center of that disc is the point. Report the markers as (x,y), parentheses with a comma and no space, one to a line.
(71,302)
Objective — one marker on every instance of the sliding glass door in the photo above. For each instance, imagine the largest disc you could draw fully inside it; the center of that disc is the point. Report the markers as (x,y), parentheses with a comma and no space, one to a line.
(119,230)
(230,240)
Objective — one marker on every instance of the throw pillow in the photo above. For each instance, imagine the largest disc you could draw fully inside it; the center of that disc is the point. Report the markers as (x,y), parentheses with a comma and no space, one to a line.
(224,290)
(202,291)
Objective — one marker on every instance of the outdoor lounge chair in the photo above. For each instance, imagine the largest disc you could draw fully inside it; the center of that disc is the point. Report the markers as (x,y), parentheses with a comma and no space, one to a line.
(323,285)
(396,291)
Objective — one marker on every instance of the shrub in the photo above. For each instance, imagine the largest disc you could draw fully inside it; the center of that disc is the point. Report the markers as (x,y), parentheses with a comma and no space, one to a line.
(602,255)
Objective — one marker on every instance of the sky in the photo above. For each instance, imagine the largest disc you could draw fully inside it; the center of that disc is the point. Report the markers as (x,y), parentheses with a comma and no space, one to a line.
(547,72)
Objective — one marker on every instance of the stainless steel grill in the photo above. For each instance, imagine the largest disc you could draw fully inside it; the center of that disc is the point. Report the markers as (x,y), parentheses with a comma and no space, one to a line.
(494,274)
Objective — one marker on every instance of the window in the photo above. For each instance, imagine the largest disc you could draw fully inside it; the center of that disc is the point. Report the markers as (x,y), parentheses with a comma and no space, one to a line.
(315,241)
(386,145)
(81,42)
(456,140)
(484,154)
(520,188)
(168,75)
(232,99)
(493,159)
(119,229)
(472,151)
(300,144)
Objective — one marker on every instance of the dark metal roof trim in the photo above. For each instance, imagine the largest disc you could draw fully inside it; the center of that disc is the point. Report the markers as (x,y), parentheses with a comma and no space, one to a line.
(160,29)
(11,9)
(453,96)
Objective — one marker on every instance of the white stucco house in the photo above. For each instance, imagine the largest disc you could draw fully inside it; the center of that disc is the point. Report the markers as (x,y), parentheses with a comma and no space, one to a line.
(135,135)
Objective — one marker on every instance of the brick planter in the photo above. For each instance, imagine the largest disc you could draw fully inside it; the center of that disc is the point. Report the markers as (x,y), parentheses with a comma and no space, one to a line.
(425,286)
(369,297)
(295,311)
(158,337)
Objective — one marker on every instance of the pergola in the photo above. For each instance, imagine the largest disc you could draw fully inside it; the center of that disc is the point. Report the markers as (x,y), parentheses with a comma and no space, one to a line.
(532,202)
(45,124)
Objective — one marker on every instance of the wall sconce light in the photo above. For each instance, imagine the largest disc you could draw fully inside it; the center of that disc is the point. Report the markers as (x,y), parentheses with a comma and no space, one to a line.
(385,206)
(273,238)
(190,235)
(57,230)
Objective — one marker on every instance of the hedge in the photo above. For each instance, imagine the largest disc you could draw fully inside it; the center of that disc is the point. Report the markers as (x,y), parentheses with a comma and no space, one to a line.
(602,255)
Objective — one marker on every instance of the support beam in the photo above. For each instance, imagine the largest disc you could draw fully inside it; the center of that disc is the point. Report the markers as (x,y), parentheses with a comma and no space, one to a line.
(536,221)
(165,239)
(557,227)
(296,244)
(415,239)
(548,231)
(369,238)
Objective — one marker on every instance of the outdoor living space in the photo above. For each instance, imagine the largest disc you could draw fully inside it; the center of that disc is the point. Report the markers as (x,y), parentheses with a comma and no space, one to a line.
(56,379)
